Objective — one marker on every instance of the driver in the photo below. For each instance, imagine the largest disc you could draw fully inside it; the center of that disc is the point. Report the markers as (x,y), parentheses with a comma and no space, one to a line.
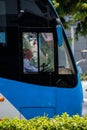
(26,62)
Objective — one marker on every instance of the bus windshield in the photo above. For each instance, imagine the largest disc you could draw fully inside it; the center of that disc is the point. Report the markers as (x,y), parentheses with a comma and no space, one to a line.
(38,54)
(38,51)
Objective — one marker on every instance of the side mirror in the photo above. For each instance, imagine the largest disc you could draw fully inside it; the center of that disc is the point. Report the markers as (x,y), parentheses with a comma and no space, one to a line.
(59,35)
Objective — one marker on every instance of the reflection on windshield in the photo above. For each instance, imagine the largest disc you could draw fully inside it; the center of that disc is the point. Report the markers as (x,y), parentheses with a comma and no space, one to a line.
(46,52)
(38,52)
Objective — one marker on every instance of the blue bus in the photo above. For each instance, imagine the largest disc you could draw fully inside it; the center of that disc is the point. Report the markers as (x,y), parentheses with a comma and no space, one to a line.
(38,73)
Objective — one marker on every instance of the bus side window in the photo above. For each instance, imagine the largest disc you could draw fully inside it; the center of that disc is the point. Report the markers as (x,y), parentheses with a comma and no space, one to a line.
(65,64)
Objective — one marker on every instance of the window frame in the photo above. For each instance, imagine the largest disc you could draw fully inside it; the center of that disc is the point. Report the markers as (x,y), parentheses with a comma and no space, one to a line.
(34,30)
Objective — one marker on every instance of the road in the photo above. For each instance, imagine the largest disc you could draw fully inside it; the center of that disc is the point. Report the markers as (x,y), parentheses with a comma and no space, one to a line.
(84,86)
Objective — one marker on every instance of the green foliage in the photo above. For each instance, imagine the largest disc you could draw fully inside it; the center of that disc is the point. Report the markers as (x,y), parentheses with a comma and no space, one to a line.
(81,16)
(63,122)
(83,76)
(78,10)
(56,4)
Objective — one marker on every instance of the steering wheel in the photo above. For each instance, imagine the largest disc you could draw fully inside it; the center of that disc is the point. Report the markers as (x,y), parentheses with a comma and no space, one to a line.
(44,67)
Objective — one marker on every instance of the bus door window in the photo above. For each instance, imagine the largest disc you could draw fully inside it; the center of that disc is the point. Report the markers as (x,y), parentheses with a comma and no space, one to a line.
(64,60)
(46,50)
(30,56)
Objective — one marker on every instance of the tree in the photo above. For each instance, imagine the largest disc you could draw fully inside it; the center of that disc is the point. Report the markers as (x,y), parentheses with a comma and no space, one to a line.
(76,8)
(81,17)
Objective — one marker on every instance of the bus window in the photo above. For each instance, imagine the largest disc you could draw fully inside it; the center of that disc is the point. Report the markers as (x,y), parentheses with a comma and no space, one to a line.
(46,46)
(64,59)
(30,60)
(2,37)
(2,23)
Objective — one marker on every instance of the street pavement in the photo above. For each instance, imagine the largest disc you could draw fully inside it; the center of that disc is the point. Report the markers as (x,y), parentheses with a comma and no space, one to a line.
(84,86)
